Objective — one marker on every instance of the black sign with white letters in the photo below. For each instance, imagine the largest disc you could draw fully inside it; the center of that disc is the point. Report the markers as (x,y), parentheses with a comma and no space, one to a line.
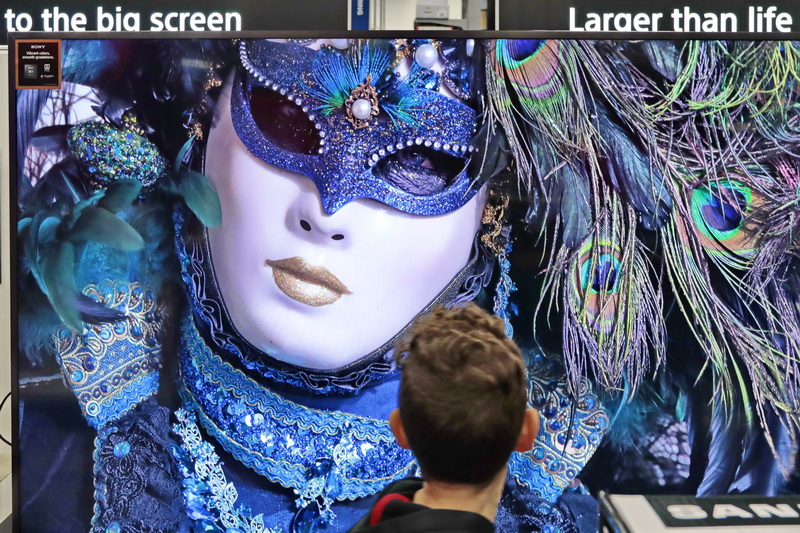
(688,511)
(707,16)
(172,15)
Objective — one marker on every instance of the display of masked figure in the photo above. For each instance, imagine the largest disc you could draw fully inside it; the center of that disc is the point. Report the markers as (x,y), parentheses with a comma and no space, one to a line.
(330,192)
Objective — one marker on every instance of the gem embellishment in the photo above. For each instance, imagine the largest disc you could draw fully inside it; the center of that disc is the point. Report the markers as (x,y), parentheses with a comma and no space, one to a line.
(402,50)
(122,449)
(131,122)
(458,66)
(108,154)
(210,499)
(340,44)
(362,104)
(426,55)
(453,149)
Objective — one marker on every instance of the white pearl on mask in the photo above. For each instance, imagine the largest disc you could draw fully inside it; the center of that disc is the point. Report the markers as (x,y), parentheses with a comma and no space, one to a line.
(341,44)
(470,47)
(362,109)
(426,55)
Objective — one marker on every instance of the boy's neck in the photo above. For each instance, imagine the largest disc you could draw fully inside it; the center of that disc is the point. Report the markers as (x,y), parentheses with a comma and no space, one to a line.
(480,499)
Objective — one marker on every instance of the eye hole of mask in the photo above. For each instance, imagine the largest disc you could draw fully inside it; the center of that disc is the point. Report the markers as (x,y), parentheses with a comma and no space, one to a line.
(283,122)
(419,170)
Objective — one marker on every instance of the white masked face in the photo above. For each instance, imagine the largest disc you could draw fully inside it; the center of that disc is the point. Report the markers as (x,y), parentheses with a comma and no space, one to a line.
(319,290)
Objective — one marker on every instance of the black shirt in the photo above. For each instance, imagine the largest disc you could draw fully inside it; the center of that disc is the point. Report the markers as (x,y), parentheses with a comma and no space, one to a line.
(396,512)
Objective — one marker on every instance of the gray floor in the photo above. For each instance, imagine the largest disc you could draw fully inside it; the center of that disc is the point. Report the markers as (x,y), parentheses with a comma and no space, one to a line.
(5,526)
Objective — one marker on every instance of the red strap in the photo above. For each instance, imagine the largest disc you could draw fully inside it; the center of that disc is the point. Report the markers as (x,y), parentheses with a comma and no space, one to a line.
(377,511)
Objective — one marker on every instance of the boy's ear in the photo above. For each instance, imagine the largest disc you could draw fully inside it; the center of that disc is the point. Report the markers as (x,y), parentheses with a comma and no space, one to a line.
(530,428)
(397,428)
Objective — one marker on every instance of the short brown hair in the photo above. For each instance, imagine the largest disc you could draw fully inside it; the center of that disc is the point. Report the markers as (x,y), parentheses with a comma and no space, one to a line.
(462,394)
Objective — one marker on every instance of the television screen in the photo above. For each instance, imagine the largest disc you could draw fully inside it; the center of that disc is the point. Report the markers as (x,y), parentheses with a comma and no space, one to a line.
(219,242)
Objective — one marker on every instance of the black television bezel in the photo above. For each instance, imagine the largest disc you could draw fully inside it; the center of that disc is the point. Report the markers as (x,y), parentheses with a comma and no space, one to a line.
(283,34)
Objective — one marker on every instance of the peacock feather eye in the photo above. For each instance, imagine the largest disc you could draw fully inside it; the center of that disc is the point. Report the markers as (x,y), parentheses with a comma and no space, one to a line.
(596,283)
(600,275)
(524,49)
(531,65)
(720,216)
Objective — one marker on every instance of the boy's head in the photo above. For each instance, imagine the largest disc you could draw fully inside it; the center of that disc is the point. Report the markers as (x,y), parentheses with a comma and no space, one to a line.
(462,396)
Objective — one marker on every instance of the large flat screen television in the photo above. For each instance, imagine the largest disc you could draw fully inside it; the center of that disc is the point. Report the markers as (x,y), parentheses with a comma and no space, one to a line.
(219,241)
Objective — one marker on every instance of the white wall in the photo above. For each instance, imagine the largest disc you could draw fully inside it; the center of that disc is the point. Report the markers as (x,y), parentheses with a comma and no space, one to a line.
(400,14)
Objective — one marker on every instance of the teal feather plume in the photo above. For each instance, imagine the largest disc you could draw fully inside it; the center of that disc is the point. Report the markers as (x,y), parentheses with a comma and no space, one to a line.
(338,72)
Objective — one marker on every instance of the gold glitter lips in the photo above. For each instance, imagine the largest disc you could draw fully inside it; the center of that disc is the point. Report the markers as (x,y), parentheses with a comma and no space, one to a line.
(307,284)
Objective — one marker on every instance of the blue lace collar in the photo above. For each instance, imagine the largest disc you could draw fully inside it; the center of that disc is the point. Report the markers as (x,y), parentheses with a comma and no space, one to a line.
(324,454)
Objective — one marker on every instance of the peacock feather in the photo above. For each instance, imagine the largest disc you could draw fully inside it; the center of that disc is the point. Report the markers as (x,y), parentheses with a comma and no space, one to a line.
(690,148)
(533,89)
(532,70)
(612,305)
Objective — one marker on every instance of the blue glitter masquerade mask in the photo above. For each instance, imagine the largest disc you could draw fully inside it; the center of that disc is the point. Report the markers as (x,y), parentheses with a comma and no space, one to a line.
(357,128)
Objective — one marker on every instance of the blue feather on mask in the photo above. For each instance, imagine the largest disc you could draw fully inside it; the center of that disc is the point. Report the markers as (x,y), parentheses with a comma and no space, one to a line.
(338,73)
